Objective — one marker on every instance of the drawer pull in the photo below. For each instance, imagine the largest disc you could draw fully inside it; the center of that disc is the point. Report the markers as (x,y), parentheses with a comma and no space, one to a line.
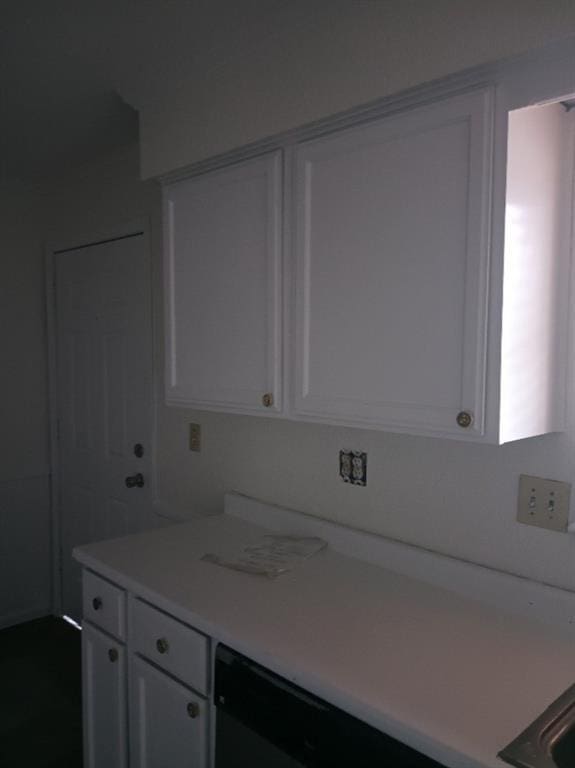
(113,655)
(193,709)
(97,603)
(162,645)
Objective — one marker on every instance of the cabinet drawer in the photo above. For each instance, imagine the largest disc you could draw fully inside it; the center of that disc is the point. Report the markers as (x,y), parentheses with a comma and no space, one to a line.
(174,646)
(104,604)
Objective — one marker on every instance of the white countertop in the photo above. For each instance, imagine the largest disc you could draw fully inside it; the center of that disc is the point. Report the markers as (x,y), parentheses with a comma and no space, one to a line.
(453,677)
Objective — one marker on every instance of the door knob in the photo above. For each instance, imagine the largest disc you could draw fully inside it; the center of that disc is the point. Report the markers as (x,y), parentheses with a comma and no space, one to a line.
(135,481)
(162,645)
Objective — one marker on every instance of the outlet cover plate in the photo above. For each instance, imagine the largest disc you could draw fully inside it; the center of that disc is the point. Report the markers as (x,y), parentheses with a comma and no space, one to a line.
(543,502)
(353,467)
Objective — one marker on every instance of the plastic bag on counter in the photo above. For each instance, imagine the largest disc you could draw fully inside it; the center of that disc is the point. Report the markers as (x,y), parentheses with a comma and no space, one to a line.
(272,556)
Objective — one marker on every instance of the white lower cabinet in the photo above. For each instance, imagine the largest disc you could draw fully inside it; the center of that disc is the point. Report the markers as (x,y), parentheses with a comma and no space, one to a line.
(104,695)
(167,721)
(136,713)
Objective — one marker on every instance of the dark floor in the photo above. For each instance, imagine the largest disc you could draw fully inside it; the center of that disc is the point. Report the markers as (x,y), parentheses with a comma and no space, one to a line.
(40,695)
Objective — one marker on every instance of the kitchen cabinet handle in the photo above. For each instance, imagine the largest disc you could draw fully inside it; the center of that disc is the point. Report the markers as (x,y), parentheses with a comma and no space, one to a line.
(162,645)
(97,603)
(464,419)
(193,709)
(267,400)
(113,655)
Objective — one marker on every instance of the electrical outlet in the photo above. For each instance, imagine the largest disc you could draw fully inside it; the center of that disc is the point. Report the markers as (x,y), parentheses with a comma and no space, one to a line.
(543,502)
(195,437)
(353,467)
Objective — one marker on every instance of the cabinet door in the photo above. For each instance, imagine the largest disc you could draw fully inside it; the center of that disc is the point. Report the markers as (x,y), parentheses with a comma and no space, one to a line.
(392,226)
(168,721)
(222,274)
(104,700)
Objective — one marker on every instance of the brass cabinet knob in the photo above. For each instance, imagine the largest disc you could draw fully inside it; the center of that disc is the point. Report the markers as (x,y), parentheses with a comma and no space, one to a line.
(193,709)
(113,655)
(162,645)
(464,419)
(267,400)
(97,603)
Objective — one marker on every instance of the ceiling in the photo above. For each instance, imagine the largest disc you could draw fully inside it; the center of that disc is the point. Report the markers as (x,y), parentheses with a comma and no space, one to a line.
(69,67)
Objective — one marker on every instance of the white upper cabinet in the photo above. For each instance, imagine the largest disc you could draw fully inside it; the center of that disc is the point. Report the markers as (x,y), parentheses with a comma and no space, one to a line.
(537,245)
(426,277)
(223,288)
(392,239)
(432,270)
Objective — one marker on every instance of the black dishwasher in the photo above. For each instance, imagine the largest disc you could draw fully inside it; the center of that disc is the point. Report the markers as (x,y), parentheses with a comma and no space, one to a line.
(264,720)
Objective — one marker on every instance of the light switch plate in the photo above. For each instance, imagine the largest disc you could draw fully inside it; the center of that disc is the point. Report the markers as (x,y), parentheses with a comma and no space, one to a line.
(195,437)
(543,502)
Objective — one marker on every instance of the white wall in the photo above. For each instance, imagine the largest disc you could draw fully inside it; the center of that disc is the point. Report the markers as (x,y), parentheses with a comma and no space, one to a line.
(307,60)
(304,62)
(97,198)
(24,484)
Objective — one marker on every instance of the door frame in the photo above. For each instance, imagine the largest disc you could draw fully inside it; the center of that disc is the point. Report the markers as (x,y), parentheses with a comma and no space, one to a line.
(137,226)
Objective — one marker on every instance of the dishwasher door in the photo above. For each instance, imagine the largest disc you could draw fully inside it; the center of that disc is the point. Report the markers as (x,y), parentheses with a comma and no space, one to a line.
(235,741)
(264,720)
(261,719)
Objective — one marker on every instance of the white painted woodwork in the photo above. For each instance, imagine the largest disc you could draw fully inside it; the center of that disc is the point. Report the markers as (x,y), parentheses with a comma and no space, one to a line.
(392,238)
(104,697)
(166,733)
(184,652)
(104,604)
(403,229)
(538,219)
(104,394)
(163,735)
(223,288)
(438,670)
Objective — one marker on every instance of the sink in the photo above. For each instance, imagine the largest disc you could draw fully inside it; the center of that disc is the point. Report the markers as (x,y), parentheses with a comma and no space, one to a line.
(563,754)
(549,742)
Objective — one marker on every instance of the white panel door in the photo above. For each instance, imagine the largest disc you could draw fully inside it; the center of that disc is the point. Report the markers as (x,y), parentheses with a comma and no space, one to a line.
(104,700)
(104,359)
(222,276)
(168,727)
(391,265)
